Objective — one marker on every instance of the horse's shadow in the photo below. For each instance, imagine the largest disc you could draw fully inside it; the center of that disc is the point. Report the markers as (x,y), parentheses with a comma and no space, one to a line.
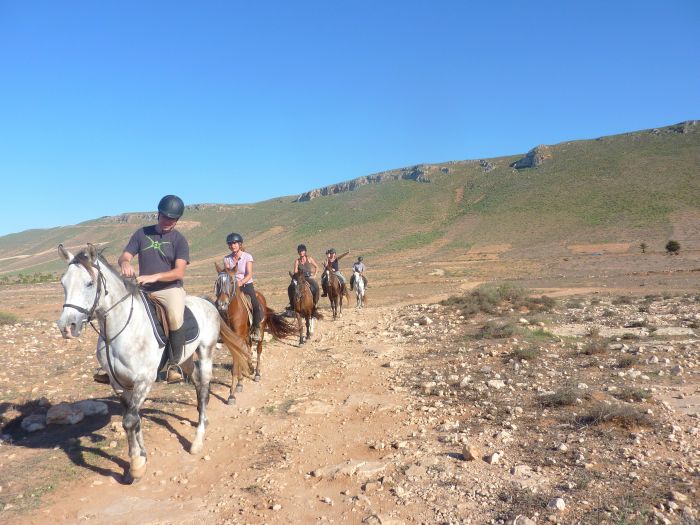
(82,442)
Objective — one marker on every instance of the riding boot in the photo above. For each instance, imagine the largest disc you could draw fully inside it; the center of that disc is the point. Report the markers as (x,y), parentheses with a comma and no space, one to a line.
(101,376)
(176,348)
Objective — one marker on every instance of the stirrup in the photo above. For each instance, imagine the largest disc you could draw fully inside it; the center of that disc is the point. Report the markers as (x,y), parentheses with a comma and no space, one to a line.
(172,374)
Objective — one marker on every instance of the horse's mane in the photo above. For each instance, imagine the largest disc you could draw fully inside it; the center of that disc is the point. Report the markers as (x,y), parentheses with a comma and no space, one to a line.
(83,258)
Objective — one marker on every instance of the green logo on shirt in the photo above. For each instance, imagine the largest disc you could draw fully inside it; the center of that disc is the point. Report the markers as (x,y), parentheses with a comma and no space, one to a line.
(156,245)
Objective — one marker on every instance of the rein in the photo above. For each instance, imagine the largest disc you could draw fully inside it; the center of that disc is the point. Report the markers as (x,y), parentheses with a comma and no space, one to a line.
(102,284)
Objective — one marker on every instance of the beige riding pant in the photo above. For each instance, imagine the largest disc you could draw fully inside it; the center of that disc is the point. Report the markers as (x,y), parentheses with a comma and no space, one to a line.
(174,301)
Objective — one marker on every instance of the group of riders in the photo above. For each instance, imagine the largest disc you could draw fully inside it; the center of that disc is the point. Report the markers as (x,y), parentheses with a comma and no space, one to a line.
(163,255)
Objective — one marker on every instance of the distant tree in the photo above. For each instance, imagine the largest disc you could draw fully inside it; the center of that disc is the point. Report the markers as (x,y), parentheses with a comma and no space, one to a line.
(673,247)
(643,246)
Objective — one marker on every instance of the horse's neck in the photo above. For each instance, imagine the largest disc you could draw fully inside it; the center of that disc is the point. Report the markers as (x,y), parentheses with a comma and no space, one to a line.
(118,312)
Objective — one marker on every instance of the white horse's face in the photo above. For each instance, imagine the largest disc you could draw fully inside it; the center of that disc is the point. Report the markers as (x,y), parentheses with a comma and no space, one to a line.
(223,290)
(80,291)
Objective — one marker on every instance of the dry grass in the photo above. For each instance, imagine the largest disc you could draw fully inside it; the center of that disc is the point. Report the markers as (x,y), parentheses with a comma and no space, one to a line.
(624,416)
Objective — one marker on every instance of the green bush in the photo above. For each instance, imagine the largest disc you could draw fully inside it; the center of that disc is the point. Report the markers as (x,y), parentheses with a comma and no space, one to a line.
(673,247)
(8,318)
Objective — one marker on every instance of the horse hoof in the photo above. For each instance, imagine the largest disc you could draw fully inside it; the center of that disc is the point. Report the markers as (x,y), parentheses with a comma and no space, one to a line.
(137,468)
(231,400)
(239,388)
(196,447)
(257,378)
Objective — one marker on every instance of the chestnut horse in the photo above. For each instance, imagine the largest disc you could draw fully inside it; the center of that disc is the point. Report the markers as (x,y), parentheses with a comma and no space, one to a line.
(336,291)
(304,305)
(229,302)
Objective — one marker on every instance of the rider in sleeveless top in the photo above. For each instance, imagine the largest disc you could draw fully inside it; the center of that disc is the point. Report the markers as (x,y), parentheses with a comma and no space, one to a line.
(242,262)
(309,266)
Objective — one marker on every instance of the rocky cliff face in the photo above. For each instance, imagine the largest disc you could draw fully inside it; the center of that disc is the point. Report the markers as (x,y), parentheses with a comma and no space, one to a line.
(534,158)
(420,173)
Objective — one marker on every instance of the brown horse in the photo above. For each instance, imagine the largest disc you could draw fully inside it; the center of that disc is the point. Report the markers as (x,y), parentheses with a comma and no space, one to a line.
(336,291)
(304,305)
(229,302)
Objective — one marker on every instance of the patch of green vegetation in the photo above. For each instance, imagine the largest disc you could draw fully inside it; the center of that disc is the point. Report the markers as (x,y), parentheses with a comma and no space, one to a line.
(8,318)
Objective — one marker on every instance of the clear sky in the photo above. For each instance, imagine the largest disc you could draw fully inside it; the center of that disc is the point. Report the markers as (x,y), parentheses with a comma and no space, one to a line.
(106,106)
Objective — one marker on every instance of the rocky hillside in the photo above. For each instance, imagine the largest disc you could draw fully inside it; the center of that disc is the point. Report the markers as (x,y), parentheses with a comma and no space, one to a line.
(625,189)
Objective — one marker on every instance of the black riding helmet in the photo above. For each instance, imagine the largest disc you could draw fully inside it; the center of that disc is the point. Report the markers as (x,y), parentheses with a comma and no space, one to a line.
(360,258)
(331,250)
(301,248)
(234,237)
(171,206)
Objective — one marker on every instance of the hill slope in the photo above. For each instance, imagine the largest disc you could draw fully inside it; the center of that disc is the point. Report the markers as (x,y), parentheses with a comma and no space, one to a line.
(640,186)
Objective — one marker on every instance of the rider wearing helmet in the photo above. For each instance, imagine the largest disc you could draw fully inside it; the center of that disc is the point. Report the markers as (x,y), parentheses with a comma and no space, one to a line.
(306,263)
(332,258)
(358,267)
(163,254)
(242,262)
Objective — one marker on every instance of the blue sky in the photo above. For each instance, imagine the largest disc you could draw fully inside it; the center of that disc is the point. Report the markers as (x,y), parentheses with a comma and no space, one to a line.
(107,106)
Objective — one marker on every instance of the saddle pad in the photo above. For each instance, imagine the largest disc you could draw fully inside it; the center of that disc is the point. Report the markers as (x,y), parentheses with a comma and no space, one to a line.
(190,323)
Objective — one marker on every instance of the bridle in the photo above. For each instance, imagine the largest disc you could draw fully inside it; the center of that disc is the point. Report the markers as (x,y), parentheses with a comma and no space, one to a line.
(224,285)
(102,332)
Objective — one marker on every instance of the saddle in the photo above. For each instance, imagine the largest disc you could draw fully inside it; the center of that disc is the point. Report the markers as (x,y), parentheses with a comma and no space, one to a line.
(158,319)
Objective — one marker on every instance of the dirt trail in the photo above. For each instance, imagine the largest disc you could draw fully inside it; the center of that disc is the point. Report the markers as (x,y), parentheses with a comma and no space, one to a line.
(316,406)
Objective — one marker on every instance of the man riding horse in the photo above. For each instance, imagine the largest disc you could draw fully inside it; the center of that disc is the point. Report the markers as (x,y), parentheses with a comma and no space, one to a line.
(358,267)
(163,254)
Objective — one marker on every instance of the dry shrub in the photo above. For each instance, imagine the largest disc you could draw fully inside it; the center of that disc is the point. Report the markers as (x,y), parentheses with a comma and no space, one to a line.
(629,393)
(595,346)
(563,397)
(8,318)
(497,330)
(527,354)
(625,416)
(627,361)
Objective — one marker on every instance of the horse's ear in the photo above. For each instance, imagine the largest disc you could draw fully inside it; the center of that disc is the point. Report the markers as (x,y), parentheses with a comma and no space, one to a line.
(92,252)
(68,256)
(219,269)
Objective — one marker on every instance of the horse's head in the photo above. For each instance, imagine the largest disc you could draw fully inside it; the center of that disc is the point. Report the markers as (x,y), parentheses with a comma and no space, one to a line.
(299,282)
(83,283)
(225,287)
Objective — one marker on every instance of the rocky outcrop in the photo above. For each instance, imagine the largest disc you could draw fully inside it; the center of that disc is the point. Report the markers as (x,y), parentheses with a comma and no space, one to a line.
(486,166)
(535,157)
(416,173)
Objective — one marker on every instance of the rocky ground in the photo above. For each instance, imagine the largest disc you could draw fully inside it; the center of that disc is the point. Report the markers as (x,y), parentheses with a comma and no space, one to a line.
(494,407)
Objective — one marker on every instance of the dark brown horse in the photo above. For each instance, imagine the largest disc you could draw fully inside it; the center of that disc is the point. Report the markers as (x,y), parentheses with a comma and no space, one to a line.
(336,290)
(229,302)
(304,305)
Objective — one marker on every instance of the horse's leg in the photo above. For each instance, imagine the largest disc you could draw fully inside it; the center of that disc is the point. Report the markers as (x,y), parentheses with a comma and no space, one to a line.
(132,426)
(257,363)
(301,329)
(308,322)
(202,381)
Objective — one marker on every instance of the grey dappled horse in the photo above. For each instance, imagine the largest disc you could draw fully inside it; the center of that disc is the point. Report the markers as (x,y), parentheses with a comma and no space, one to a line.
(127,348)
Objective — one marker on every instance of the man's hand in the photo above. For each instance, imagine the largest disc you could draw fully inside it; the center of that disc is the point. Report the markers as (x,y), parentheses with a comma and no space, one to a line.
(127,269)
(147,279)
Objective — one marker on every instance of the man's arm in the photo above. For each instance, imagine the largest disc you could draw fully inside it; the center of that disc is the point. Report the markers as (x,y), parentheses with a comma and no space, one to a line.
(176,274)
(125,264)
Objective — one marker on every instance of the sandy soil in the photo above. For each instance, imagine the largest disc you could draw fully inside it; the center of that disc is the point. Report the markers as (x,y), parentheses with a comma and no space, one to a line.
(340,430)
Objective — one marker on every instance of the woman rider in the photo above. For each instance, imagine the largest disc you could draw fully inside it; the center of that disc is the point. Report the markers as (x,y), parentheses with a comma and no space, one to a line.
(306,263)
(242,263)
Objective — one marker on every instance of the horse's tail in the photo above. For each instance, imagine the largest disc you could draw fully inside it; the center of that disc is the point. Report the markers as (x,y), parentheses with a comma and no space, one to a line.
(242,360)
(278,325)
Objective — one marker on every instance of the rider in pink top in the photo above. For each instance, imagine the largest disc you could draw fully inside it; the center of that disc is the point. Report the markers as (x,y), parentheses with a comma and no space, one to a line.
(242,262)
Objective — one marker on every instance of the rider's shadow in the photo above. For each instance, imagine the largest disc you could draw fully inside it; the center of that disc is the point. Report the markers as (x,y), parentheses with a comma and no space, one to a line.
(84,443)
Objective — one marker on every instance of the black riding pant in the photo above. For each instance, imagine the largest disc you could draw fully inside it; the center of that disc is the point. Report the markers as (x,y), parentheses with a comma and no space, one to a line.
(249,290)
